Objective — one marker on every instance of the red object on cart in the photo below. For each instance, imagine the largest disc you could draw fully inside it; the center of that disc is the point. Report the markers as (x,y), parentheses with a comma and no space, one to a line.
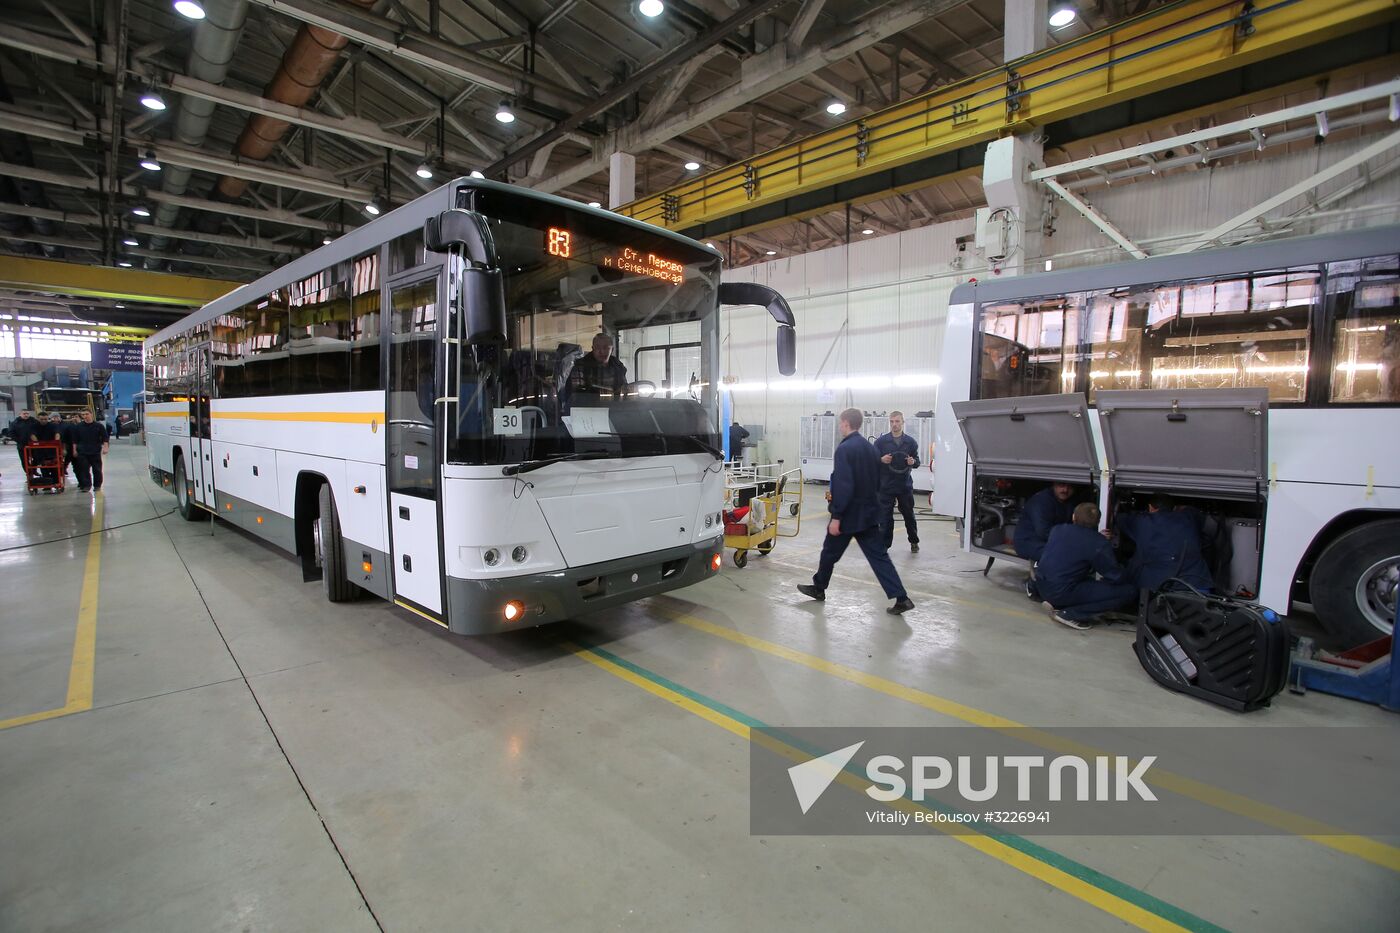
(43,466)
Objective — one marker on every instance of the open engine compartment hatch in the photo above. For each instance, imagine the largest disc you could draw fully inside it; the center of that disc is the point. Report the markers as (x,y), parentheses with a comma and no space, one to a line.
(1043,437)
(1211,442)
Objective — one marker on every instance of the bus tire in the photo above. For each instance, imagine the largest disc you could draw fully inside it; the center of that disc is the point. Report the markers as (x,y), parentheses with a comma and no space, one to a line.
(1354,580)
(332,551)
(183,500)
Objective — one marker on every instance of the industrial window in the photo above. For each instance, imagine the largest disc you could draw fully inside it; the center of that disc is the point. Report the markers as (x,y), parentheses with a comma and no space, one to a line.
(1365,300)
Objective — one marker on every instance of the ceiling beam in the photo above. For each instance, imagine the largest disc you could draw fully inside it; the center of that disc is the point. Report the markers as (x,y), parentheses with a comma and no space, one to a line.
(761,75)
(386,35)
(803,22)
(659,66)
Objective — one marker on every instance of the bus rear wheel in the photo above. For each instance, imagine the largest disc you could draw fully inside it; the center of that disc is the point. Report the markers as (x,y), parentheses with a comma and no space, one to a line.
(188,510)
(1355,583)
(330,551)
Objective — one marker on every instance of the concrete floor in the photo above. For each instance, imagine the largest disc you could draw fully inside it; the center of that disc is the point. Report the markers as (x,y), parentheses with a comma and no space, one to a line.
(255,758)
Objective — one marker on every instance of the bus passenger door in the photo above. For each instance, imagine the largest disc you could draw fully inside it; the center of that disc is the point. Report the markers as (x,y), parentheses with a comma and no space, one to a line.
(411,462)
(201,451)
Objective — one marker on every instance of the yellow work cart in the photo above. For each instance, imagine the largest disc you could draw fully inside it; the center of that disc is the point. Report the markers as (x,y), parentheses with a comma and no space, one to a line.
(768,492)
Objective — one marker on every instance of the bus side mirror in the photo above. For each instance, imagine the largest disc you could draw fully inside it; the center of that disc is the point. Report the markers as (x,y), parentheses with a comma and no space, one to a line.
(751,293)
(459,227)
(787,349)
(483,306)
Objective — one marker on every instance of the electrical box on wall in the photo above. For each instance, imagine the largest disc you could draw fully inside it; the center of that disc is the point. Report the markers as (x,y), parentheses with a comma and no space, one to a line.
(993,233)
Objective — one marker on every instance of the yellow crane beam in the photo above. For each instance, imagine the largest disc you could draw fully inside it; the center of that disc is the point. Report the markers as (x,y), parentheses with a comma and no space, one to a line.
(80,280)
(1177,44)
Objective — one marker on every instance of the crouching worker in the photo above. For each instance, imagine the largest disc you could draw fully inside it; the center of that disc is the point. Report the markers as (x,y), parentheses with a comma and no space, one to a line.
(1073,554)
(1168,540)
(1040,515)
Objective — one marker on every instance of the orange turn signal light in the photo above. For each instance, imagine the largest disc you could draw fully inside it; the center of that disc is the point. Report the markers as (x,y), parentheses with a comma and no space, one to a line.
(716,562)
(259,519)
(367,567)
(228,506)
(514,610)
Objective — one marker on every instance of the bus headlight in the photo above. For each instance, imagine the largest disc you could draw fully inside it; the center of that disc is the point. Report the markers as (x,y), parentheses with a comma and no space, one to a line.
(519,554)
(492,557)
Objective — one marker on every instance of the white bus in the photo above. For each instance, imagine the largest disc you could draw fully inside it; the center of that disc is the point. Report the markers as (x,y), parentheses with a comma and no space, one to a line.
(412,410)
(1259,382)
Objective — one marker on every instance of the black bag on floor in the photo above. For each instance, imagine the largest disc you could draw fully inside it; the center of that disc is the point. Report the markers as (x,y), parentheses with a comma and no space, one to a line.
(1232,653)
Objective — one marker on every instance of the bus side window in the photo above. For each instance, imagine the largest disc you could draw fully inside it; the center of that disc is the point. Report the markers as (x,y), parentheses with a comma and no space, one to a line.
(1365,303)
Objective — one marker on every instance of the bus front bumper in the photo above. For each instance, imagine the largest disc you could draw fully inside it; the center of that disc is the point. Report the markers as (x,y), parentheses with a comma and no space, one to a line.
(478,607)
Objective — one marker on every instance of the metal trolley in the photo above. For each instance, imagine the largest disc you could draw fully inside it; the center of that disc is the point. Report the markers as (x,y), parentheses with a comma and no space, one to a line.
(43,466)
(770,493)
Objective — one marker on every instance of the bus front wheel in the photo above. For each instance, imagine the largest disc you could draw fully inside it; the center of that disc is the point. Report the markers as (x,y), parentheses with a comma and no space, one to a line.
(188,511)
(1355,583)
(330,551)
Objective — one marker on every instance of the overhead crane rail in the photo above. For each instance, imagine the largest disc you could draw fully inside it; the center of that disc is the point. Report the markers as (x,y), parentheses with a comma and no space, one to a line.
(1177,44)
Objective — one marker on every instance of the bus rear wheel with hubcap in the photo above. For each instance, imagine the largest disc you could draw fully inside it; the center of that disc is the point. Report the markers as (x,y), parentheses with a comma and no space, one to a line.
(330,551)
(1355,583)
(188,510)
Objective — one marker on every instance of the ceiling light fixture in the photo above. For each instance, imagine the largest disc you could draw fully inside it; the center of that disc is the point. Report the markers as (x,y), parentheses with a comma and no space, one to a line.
(151,99)
(651,8)
(424,171)
(504,114)
(836,108)
(372,208)
(148,161)
(325,241)
(189,9)
(1062,16)
(141,210)
(692,166)
(595,203)
(866,232)
(771,252)
(124,264)
(476,174)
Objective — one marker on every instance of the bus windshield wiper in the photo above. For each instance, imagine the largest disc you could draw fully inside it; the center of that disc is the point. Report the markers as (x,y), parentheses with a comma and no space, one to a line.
(530,466)
(708,448)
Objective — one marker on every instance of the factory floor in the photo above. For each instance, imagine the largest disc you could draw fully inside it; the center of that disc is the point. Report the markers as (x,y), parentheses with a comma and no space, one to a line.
(191,738)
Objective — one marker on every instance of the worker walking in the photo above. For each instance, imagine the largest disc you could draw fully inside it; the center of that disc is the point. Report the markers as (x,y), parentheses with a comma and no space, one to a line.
(855,513)
(899,454)
(1071,558)
(90,442)
(22,432)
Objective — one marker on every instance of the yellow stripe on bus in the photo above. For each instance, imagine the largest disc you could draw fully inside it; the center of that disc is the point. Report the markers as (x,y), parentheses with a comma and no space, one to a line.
(336,417)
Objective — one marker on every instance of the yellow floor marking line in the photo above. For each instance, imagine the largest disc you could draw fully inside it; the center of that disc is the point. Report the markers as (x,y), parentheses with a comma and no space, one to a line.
(1378,853)
(1087,885)
(81,668)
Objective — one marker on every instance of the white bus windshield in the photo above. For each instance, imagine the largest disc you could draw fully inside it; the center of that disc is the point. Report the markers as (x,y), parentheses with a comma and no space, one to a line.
(584,293)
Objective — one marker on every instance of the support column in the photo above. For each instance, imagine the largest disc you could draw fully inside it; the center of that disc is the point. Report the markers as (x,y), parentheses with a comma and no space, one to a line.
(1015,213)
(622,179)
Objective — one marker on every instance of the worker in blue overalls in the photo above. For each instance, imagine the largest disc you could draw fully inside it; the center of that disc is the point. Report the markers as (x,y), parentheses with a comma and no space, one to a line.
(855,485)
(1053,505)
(1168,545)
(899,455)
(1065,574)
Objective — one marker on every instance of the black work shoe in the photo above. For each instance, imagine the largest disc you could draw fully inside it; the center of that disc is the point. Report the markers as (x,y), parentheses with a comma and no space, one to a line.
(914,548)
(901,606)
(807,589)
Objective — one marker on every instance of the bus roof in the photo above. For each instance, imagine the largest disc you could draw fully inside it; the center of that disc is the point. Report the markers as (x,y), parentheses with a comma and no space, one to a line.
(1270,254)
(401,220)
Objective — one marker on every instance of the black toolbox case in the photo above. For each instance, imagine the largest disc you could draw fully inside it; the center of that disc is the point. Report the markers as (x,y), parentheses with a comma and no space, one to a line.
(1240,651)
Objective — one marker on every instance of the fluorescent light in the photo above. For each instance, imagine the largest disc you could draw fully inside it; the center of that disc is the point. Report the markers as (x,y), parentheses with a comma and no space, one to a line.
(424,171)
(917,380)
(476,174)
(124,264)
(1049,264)
(151,99)
(141,210)
(189,9)
(692,166)
(504,113)
(130,241)
(1062,16)
(836,108)
(651,8)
